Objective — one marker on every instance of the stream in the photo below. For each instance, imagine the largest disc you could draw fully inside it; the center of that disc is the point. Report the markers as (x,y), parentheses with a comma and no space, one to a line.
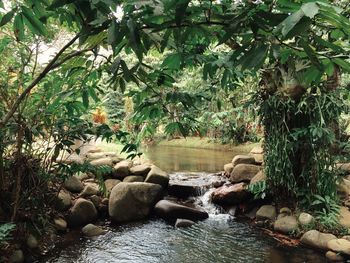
(220,238)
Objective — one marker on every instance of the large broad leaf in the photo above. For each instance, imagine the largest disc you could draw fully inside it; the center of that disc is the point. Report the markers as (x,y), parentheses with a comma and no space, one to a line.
(172,61)
(33,23)
(18,27)
(311,54)
(342,63)
(254,57)
(310,9)
(7,18)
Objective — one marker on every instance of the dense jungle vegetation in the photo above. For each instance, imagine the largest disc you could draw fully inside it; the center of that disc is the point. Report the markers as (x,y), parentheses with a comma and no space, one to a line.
(127,71)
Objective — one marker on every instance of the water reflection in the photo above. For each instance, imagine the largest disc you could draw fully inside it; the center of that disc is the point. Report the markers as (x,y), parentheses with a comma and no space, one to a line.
(172,159)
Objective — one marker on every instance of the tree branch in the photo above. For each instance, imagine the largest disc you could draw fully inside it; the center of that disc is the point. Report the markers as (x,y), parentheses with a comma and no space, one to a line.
(27,90)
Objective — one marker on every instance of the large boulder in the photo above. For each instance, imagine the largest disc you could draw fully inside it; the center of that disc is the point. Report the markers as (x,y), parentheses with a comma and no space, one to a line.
(244,172)
(133,201)
(183,223)
(141,169)
(339,245)
(306,219)
(90,189)
(316,239)
(266,212)
(230,194)
(73,184)
(286,224)
(157,176)
(106,161)
(344,217)
(98,155)
(122,169)
(82,213)
(246,159)
(171,211)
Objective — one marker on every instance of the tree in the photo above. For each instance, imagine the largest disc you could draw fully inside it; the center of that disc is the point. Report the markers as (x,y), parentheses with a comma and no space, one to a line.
(299,47)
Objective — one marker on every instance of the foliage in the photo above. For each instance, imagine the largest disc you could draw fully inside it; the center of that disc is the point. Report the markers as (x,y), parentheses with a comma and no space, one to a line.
(258,189)
(5,231)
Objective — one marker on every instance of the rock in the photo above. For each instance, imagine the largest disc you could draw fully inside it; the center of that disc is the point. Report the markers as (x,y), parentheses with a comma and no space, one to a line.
(259,177)
(184,190)
(343,188)
(82,176)
(157,176)
(228,169)
(339,246)
(258,154)
(102,161)
(171,211)
(316,239)
(230,194)
(32,242)
(344,167)
(180,222)
(60,224)
(266,212)
(219,183)
(132,201)
(244,172)
(82,213)
(344,216)
(110,183)
(90,230)
(73,184)
(334,257)
(306,219)
(245,159)
(90,189)
(96,200)
(285,210)
(141,169)
(17,256)
(64,200)
(99,155)
(133,178)
(121,169)
(286,224)
(347,237)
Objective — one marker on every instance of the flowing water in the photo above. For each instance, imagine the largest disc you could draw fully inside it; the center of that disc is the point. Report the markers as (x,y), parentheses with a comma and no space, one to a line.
(220,238)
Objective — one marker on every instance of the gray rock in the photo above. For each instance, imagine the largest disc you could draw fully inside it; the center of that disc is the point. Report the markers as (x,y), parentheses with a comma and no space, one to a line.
(99,155)
(183,222)
(90,189)
(157,176)
(73,184)
(339,245)
(230,194)
(171,211)
(17,256)
(266,212)
(32,242)
(285,210)
(141,169)
(108,161)
(316,239)
(286,224)
(306,219)
(132,201)
(244,172)
(60,224)
(64,200)
(96,200)
(133,179)
(239,159)
(90,230)
(82,213)
(110,183)
(258,154)
(122,169)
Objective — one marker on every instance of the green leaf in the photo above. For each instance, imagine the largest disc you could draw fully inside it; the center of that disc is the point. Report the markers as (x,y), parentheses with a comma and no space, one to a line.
(7,18)
(172,61)
(60,3)
(289,23)
(85,97)
(310,9)
(18,27)
(33,22)
(180,11)
(255,57)
(342,63)
(112,33)
(311,54)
